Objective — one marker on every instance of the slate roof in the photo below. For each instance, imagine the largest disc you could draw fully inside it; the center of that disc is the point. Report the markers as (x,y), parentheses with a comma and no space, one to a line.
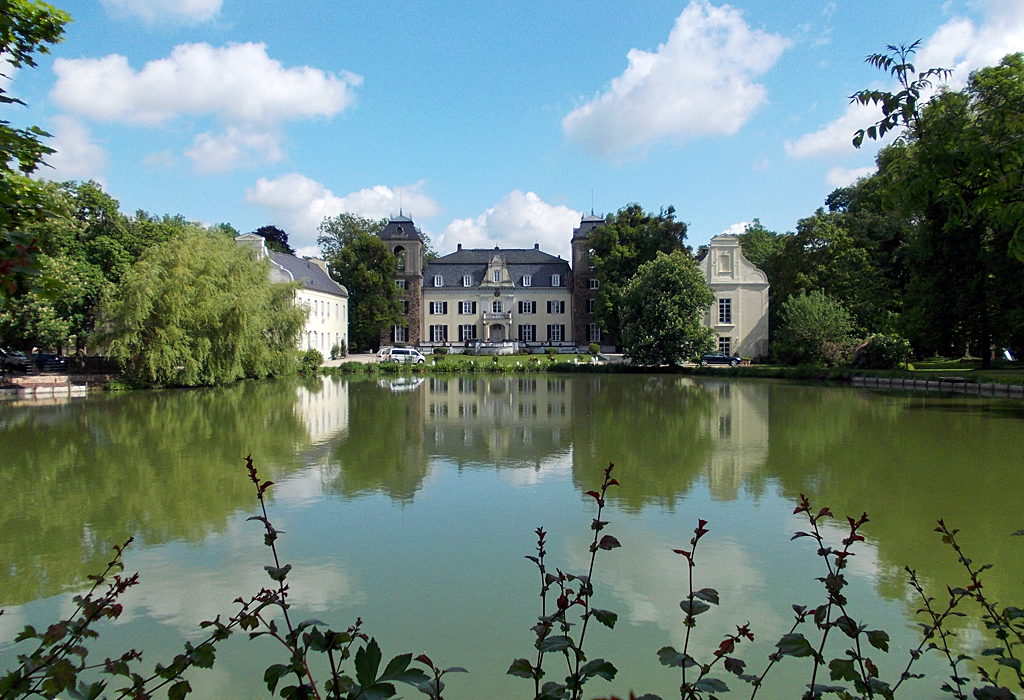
(400,227)
(310,274)
(473,261)
(587,224)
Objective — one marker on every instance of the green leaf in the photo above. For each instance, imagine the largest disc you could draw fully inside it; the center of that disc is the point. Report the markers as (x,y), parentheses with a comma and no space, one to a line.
(556,643)
(711,685)
(599,667)
(605,617)
(179,690)
(278,574)
(794,644)
(367,662)
(842,670)
(668,656)
(1012,663)
(735,666)
(273,675)
(708,594)
(608,543)
(520,667)
(694,607)
(879,639)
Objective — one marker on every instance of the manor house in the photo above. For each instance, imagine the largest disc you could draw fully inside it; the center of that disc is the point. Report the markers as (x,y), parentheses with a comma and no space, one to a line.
(537,299)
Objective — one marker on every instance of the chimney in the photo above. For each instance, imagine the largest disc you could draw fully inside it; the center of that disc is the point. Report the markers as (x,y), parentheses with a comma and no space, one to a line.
(536,246)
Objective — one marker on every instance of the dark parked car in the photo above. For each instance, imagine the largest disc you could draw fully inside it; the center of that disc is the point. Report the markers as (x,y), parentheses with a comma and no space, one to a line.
(50,362)
(13,360)
(720,358)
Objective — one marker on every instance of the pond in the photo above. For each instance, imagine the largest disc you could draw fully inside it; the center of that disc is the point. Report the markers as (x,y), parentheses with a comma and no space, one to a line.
(412,503)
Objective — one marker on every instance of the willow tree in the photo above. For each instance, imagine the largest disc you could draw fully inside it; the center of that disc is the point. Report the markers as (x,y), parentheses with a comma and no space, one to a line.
(200,310)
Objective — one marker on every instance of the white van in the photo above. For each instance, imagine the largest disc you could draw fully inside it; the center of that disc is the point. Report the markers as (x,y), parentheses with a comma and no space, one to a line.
(406,355)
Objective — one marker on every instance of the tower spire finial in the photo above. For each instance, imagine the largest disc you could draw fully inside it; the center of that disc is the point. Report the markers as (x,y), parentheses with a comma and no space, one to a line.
(591,201)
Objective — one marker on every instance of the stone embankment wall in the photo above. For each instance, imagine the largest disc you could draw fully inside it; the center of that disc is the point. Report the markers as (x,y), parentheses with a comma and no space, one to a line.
(955,385)
(42,387)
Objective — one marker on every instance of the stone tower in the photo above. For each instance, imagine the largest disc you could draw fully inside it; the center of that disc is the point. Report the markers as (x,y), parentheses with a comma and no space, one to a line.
(405,242)
(584,284)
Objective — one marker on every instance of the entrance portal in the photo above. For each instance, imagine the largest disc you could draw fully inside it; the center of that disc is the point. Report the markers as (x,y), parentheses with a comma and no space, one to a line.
(497,333)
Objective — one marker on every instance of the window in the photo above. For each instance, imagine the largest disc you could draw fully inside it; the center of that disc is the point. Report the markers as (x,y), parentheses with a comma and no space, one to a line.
(467,307)
(593,333)
(438,307)
(438,281)
(556,333)
(315,307)
(405,306)
(496,307)
(496,275)
(724,345)
(594,284)
(527,280)
(527,307)
(400,284)
(725,310)
(400,334)
(467,332)
(527,333)
(590,305)
(328,309)
(439,334)
(467,281)
(400,255)
(556,307)
(556,280)
(336,311)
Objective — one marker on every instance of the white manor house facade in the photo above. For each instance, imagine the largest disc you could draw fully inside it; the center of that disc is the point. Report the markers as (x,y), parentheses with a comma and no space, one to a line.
(325,300)
(529,298)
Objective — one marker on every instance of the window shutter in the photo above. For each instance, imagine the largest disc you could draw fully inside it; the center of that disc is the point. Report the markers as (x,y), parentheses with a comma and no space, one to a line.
(444,309)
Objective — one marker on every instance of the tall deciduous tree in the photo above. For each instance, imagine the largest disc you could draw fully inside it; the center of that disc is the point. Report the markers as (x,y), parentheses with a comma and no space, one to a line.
(277,239)
(630,238)
(199,310)
(662,309)
(816,329)
(361,261)
(27,27)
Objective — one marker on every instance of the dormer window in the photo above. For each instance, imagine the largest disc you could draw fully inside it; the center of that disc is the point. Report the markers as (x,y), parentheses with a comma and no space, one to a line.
(467,281)
(556,280)
(438,281)
(496,275)
(527,280)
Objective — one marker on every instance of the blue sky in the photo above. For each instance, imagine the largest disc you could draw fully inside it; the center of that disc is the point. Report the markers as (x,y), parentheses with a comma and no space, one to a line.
(489,123)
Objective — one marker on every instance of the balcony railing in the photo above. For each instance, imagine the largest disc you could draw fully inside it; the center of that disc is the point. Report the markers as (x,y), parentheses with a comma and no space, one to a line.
(497,316)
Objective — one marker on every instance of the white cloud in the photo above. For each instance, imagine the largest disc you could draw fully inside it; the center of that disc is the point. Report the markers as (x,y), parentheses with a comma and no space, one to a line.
(77,156)
(160,159)
(299,203)
(843,177)
(240,84)
(959,44)
(836,137)
(698,83)
(737,229)
(152,11)
(218,153)
(518,221)
(248,93)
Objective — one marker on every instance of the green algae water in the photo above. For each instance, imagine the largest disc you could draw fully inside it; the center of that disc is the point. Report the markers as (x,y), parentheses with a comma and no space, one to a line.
(411,503)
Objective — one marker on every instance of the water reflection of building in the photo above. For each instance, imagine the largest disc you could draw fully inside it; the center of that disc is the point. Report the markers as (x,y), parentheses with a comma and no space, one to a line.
(738,428)
(502,421)
(323,406)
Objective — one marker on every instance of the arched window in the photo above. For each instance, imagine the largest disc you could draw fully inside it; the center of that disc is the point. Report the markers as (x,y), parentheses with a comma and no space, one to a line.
(400,255)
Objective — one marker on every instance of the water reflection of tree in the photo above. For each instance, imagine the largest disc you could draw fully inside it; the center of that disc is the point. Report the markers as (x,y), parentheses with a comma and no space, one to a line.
(80,477)
(652,428)
(383,451)
(908,460)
